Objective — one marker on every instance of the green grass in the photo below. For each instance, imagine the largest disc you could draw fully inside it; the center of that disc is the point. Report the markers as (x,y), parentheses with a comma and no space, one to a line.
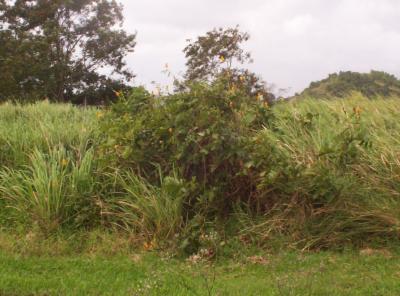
(43,126)
(323,273)
(329,168)
(335,171)
(48,191)
(46,164)
(155,212)
(325,173)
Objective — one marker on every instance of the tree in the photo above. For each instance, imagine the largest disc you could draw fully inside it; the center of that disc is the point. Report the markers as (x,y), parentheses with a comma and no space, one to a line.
(218,55)
(215,52)
(340,85)
(65,43)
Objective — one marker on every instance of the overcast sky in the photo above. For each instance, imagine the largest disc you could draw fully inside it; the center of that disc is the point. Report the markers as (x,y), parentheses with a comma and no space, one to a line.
(293,42)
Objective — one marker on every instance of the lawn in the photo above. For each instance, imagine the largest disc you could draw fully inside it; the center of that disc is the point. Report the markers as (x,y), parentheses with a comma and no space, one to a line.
(290,273)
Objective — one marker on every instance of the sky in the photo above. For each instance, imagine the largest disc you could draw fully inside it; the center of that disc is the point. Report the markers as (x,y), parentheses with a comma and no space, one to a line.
(293,42)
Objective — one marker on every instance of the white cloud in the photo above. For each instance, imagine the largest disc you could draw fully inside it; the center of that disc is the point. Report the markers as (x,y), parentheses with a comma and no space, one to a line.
(298,25)
(292,41)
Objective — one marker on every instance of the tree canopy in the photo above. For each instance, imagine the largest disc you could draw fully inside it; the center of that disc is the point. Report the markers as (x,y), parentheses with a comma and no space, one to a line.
(219,55)
(60,49)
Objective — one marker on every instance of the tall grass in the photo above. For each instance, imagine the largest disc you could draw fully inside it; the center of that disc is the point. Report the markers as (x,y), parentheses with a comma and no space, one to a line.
(41,126)
(52,190)
(46,163)
(154,212)
(323,174)
(335,173)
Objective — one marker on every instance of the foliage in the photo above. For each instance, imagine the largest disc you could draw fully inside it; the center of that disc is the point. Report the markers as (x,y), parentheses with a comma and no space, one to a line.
(155,213)
(326,187)
(202,133)
(33,137)
(219,49)
(217,55)
(307,173)
(302,165)
(372,85)
(53,190)
(55,49)
(42,126)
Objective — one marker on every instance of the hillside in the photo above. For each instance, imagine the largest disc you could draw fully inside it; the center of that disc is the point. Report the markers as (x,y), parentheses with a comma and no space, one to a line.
(339,85)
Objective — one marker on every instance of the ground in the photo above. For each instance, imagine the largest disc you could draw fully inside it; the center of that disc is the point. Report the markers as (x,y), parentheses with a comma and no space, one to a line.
(368,272)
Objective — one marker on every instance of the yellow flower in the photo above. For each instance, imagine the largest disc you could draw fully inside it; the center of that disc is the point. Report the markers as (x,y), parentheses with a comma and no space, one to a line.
(357,110)
(99,114)
(242,78)
(222,58)
(148,246)
(118,93)
(64,162)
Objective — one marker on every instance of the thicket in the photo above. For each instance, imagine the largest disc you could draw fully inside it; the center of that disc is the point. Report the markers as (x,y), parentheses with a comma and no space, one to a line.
(210,163)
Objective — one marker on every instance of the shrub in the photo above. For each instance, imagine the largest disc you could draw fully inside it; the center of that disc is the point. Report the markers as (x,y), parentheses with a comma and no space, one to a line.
(202,133)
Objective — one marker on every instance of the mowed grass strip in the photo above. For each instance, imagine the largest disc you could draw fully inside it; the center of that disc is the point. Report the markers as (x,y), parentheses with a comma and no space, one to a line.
(324,273)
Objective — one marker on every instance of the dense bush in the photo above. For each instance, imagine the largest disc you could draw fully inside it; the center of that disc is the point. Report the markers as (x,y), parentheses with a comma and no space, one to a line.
(201,133)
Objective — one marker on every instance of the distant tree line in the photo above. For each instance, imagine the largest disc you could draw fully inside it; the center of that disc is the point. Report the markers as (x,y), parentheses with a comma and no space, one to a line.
(371,85)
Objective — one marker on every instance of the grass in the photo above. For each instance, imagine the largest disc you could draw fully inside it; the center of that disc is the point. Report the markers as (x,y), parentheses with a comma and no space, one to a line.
(286,273)
(336,171)
(46,164)
(327,175)
(47,192)
(151,211)
(327,170)
(101,263)
(42,126)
